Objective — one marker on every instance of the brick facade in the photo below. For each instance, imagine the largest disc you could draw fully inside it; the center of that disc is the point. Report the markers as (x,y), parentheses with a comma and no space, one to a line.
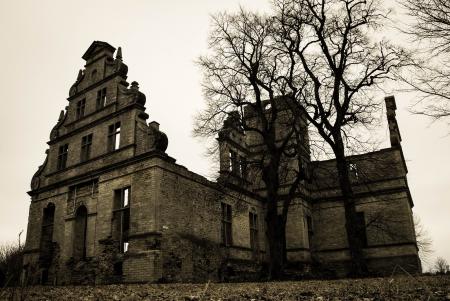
(129,213)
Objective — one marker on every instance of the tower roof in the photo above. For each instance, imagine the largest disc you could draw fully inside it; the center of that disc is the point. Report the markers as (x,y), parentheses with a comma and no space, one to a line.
(95,47)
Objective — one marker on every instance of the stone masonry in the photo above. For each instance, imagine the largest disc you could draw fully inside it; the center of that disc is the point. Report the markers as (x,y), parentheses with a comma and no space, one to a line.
(109,205)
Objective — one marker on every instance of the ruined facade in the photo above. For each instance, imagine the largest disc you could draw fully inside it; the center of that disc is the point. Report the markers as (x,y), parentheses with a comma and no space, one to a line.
(109,205)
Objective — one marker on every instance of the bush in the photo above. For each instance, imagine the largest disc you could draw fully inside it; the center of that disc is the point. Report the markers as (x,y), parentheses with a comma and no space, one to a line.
(11,256)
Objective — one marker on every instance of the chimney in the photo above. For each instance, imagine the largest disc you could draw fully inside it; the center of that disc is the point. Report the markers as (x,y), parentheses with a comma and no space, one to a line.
(392,121)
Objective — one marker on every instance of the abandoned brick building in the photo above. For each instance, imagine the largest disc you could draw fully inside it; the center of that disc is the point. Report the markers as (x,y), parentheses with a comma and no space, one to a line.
(109,205)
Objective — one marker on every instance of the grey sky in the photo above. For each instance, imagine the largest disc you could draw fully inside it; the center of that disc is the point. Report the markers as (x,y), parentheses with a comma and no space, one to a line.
(42,44)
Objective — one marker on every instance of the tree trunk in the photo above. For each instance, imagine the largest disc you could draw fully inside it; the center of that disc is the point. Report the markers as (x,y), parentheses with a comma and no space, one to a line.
(358,263)
(276,225)
(275,236)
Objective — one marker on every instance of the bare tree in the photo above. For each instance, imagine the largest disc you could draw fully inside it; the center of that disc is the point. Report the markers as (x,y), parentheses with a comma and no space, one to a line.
(330,42)
(441,266)
(314,58)
(424,241)
(431,73)
(432,22)
(239,76)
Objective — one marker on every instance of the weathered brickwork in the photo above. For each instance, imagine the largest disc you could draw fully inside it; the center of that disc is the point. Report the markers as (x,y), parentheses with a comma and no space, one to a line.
(119,209)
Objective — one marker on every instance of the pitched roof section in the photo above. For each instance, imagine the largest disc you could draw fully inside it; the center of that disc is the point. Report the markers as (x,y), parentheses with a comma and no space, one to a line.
(95,47)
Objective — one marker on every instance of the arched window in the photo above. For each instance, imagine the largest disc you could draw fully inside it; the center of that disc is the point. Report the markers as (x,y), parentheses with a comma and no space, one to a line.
(46,245)
(80,230)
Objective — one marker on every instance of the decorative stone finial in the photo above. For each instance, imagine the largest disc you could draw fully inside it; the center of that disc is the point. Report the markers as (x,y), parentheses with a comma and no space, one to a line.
(80,75)
(134,85)
(119,53)
(36,181)
(61,115)
(158,140)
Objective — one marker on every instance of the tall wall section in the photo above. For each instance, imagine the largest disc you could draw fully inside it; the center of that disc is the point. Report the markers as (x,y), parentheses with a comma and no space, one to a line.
(383,199)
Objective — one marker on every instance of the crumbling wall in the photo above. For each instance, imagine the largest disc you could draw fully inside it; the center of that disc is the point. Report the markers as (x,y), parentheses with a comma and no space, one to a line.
(190,222)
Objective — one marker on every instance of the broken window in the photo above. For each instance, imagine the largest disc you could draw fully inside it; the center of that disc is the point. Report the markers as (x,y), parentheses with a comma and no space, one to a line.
(86,143)
(353,168)
(101,98)
(309,226)
(360,228)
(253,220)
(62,156)
(226,225)
(81,106)
(121,217)
(114,136)
(80,231)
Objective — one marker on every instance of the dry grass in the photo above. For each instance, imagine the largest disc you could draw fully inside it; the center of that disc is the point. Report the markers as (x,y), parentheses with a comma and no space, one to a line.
(392,288)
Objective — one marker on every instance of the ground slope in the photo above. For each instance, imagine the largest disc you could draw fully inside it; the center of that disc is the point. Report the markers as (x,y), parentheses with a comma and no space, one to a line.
(391,288)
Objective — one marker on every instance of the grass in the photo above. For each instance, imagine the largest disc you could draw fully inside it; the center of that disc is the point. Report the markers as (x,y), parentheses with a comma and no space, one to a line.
(391,288)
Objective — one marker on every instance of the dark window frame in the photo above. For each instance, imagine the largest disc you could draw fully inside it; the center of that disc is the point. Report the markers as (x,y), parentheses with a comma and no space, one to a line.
(226,224)
(353,169)
(254,231)
(310,229)
(63,151)
(243,167)
(113,136)
(235,166)
(81,108)
(86,146)
(101,98)
(121,216)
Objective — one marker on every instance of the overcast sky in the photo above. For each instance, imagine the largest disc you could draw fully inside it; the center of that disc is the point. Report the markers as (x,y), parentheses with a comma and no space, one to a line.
(41,49)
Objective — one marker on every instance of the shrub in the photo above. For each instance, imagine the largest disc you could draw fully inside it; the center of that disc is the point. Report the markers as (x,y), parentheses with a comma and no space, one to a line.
(11,256)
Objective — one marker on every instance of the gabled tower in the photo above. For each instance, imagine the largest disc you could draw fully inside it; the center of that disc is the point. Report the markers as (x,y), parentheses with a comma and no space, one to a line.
(79,188)
(105,117)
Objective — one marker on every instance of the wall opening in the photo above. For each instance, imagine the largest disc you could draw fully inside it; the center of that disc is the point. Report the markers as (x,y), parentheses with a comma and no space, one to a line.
(80,231)
(46,243)
(121,217)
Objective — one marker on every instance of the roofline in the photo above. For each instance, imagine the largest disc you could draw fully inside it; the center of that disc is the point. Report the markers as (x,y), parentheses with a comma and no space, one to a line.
(89,51)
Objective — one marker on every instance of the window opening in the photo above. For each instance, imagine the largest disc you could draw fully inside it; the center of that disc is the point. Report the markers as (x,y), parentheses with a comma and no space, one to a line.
(361,228)
(354,171)
(80,233)
(122,217)
(86,143)
(309,226)
(81,106)
(253,221)
(101,98)
(226,224)
(114,136)
(62,156)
